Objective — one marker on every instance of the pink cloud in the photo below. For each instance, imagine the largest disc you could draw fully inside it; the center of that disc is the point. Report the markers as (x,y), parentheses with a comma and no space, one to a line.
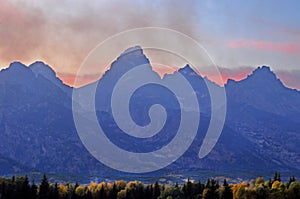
(288,48)
(161,71)
(69,79)
(236,74)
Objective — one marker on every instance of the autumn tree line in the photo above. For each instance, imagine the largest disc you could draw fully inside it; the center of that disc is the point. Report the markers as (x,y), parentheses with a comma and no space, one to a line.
(21,188)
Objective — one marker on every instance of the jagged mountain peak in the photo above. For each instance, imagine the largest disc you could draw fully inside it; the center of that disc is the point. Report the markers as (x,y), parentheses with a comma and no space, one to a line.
(40,68)
(17,64)
(36,74)
(264,71)
(130,58)
(192,73)
(133,53)
(17,67)
(16,72)
(230,81)
(188,70)
(261,78)
(133,49)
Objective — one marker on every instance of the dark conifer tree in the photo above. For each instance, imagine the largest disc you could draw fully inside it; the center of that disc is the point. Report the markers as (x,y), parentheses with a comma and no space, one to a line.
(208,183)
(211,187)
(148,192)
(25,188)
(102,193)
(89,195)
(176,185)
(198,188)
(156,191)
(227,193)
(270,183)
(33,190)
(113,193)
(3,190)
(187,189)
(73,194)
(44,188)
(277,177)
(292,179)
(55,193)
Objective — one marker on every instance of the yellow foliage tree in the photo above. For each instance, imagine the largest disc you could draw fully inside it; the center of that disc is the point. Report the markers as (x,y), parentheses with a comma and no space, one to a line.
(93,186)
(260,180)
(121,184)
(131,184)
(276,185)
(80,190)
(121,194)
(62,190)
(109,186)
(100,185)
(238,190)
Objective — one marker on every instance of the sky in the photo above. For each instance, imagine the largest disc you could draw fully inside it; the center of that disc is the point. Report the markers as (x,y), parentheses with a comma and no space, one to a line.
(238,35)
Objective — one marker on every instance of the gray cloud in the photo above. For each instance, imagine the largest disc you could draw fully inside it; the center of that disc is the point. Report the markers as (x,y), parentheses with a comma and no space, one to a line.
(62,33)
(290,78)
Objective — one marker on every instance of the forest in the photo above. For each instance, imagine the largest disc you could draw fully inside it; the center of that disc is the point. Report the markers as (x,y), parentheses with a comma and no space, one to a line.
(21,188)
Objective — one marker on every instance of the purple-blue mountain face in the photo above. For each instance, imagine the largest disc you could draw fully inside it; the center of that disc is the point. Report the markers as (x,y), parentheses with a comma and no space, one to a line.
(37,130)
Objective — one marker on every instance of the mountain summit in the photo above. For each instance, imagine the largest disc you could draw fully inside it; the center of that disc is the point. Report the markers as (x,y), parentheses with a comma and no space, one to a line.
(41,69)
(261,78)
(264,77)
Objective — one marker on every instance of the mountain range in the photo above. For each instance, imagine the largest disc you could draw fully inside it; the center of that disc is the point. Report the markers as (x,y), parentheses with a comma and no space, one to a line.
(37,130)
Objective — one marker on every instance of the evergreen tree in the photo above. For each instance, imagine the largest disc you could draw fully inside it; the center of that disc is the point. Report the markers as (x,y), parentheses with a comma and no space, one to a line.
(198,189)
(210,191)
(74,196)
(25,188)
(184,189)
(114,192)
(33,190)
(277,177)
(89,195)
(187,189)
(55,192)
(140,190)
(176,185)
(292,179)
(102,193)
(3,190)
(270,183)
(208,183)
(227,192)
(44,188)
(148,192)
(156,191)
